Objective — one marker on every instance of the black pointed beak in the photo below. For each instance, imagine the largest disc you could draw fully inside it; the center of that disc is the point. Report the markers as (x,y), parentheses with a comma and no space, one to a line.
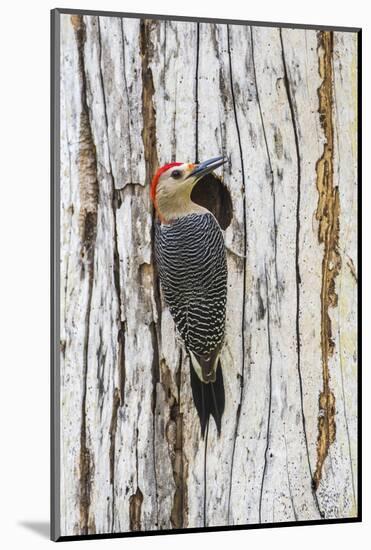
(206,167)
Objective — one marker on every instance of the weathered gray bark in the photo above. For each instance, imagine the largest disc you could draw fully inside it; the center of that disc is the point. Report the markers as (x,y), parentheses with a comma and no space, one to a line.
(134,95)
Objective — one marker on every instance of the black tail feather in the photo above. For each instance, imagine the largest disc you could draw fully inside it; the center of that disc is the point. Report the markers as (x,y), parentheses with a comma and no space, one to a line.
(209,399)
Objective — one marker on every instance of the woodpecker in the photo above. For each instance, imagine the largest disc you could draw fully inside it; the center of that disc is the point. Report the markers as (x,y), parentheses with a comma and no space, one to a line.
(191,259)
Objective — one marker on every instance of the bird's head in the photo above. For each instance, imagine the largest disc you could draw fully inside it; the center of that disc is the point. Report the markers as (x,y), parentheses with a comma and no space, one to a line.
(172,186)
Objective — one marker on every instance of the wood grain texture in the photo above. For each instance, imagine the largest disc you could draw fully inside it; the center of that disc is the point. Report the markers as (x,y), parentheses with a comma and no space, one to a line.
(283,104)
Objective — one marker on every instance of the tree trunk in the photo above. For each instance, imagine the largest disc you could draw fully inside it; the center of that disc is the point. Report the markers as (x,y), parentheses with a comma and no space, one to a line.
(282,103)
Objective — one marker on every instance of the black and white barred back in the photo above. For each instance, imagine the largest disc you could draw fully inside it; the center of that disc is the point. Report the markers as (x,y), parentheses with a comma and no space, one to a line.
(191,260)
(192,265)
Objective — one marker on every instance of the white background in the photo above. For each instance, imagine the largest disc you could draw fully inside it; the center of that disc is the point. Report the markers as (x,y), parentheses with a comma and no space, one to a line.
(24,273)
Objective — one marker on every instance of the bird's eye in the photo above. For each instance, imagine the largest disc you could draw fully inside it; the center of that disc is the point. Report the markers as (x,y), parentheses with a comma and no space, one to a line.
(176,174)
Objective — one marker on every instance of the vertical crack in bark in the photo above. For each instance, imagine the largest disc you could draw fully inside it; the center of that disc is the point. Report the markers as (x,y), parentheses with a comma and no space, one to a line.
(121,337)
(297,260)
(118,394)
(269,399)
(136,500)
(327,214)
(174,438)
(288,477)
(86,459)
(151,165)
(127,95)
(174,435)
(89,193)
(165,53)
(149,141)
(174,131)
(70,212)
(155,380)
(112,435)
(238,413)
(196,88)
(269,161)
(148,90)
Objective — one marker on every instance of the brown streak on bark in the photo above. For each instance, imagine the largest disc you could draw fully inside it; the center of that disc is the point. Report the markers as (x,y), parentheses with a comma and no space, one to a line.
(149,135)
(88,180)
(148,90)
(327,214)
(112,433)
(174,437)
(151,165)
(135,510)
(89,194)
